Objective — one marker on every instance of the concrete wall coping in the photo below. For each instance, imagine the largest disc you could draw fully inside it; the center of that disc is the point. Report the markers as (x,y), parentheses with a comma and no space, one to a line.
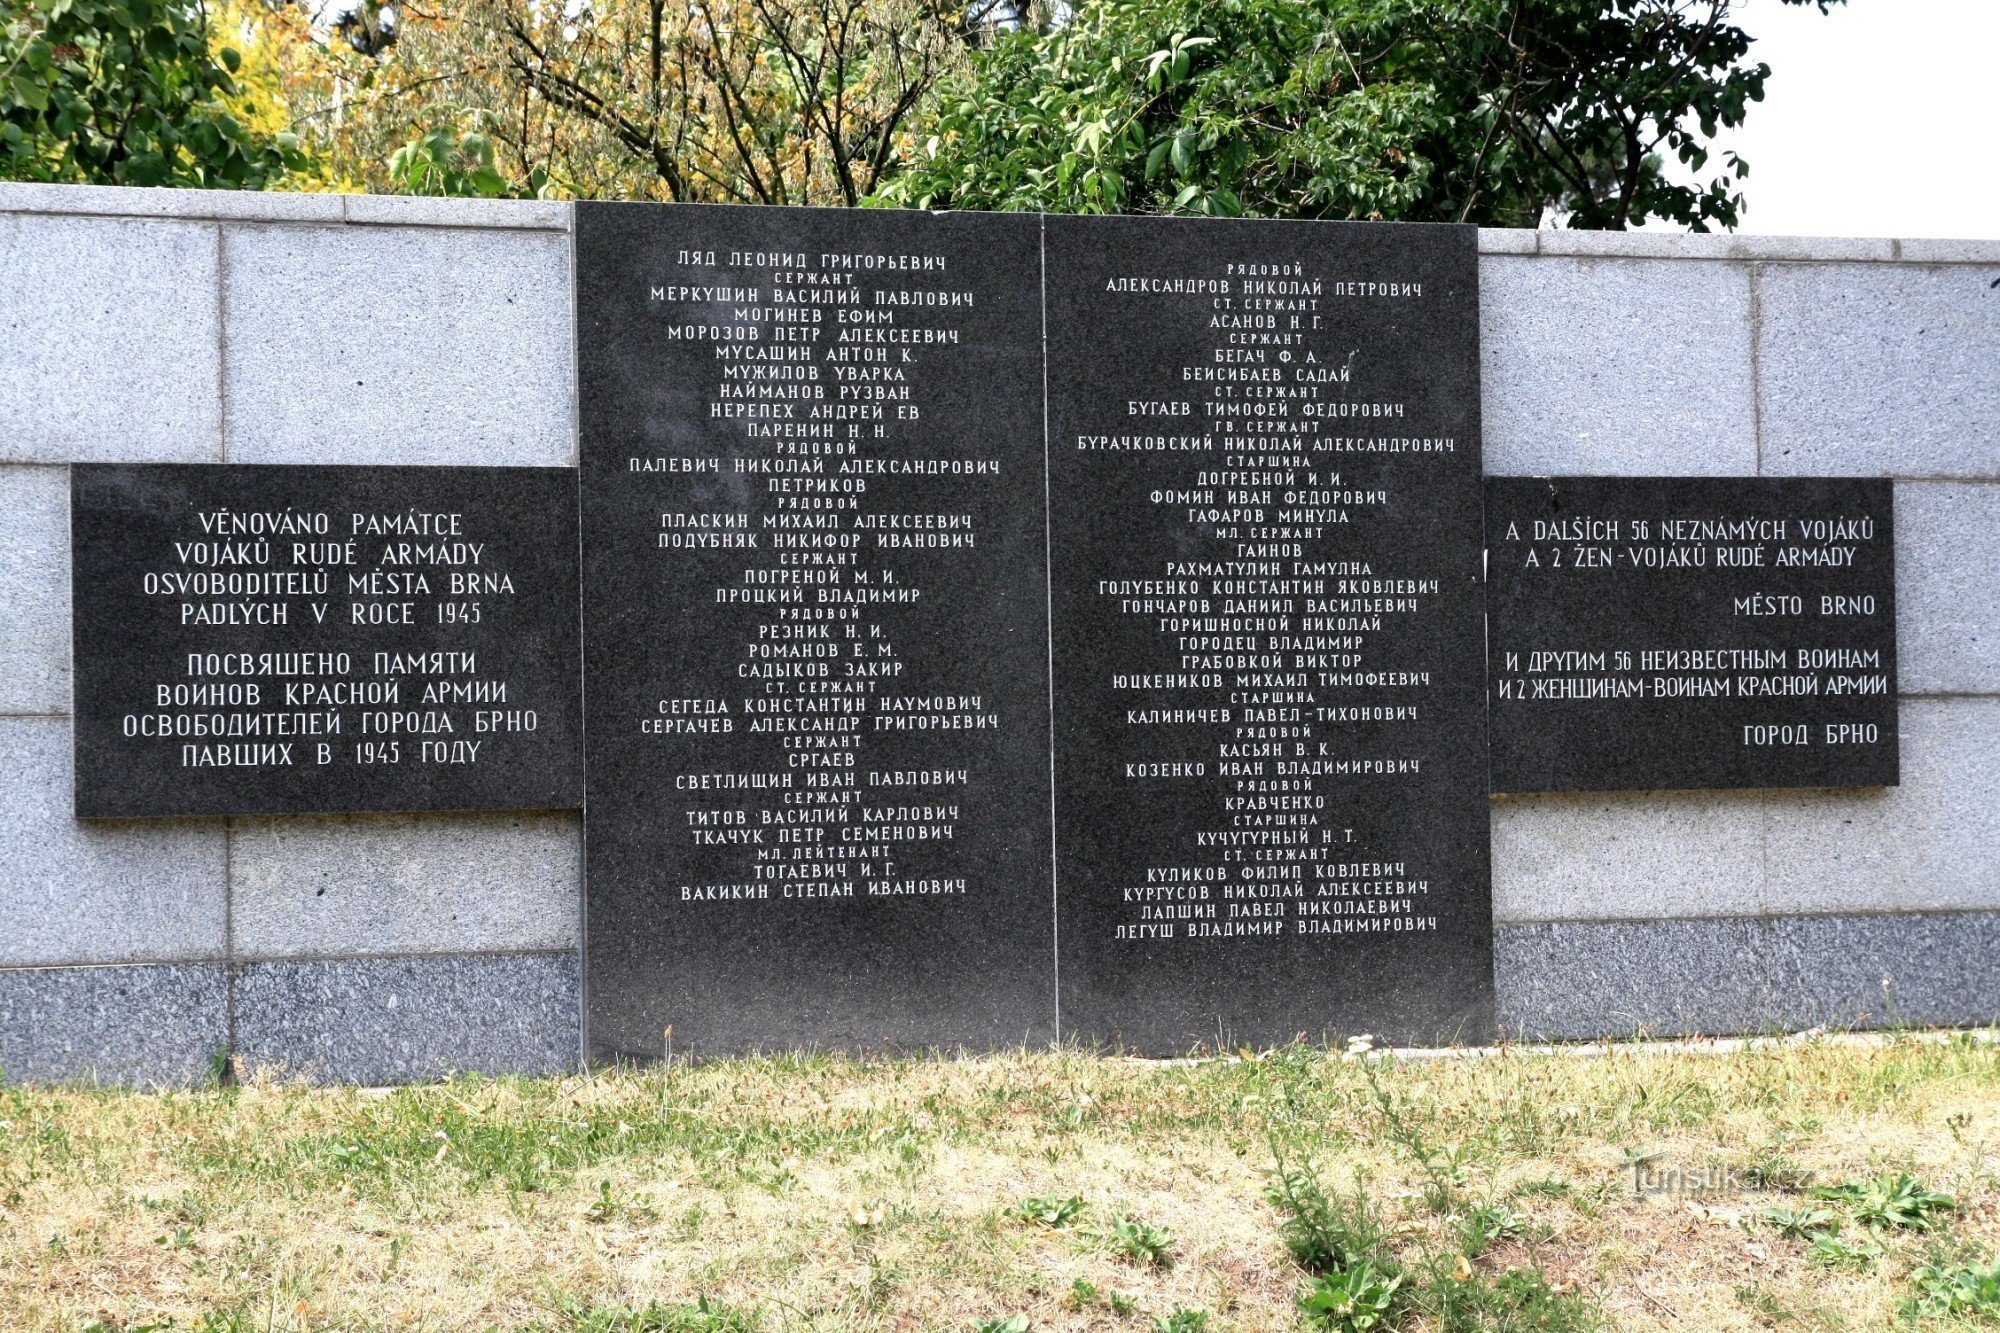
(1728,246)
(552,215)
(273,206)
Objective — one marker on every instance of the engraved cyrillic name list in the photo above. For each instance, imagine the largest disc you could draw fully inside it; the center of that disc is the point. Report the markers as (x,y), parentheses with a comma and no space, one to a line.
(822,360)
(815,592)
(1264,453)
(291,639)
(1691,632)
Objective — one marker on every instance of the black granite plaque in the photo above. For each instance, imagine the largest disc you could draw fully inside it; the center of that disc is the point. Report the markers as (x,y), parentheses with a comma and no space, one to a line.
(1265,520)
(815,629)
(263,640)
(1691,632)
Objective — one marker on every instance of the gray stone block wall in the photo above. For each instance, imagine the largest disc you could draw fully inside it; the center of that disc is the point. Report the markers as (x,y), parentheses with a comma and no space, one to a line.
(354,885)
(148,1026)
(1947,566)
(34,621)
(112,328)
(1745,911)
(123,891)
(1616,367)
(141,325)
(385,344)
(394,1020)
(1880,369)
(1706,976)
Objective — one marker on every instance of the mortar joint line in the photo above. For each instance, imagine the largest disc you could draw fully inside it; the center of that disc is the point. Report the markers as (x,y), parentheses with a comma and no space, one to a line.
(1757,364)
(582,684)
(229,937)
(221,344)
(1049,626)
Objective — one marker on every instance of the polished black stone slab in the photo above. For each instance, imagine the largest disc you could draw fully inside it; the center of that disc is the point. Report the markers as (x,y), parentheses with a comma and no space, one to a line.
(815,629)
(291,639)
(1271,797)
(1678,632)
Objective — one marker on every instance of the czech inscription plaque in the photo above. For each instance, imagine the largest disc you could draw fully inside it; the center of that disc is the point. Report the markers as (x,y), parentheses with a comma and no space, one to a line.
(263,640)
(1651,633)
(815,644)
(1271,789)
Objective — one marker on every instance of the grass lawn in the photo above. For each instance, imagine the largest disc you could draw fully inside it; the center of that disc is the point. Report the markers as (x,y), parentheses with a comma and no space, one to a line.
(1817,1184)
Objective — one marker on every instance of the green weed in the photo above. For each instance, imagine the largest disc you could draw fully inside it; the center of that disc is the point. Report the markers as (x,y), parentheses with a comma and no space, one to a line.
(701,1317)
(610,1206)
(1132,1239)
(1181,1321)
(1457,1298)
(1891,1203)
(1830,1251)
(1049,1211)
(1799,1223)
(1325,1233)
(1967,1290)
(1487,1225)
(1352,1300)
(1014,1323)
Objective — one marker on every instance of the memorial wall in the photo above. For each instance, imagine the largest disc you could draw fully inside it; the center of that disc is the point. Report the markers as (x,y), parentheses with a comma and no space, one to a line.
(990,628)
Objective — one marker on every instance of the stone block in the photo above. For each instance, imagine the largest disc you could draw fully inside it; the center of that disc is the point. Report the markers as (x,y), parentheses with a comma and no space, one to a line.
(1812,249)
(1925,845)
(34,589)
(138,1026)
(418,211)
(1634,244)
(1879,370)
(397,345)
(142,202)
(111,334)
(98,892)
(1716,246)
(1626,855)
(1570,980)
(1891,969)
(1508,240)
(1585,980)
(1948,587)
(401,1020)
(384,884)
(1949,250)
(1616,367)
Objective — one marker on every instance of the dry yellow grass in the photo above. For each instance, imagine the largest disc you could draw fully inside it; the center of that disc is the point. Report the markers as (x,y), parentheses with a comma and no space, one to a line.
(830,1194)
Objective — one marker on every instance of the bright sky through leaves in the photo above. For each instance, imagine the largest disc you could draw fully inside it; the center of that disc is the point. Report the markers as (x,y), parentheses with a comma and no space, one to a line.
(1881,118)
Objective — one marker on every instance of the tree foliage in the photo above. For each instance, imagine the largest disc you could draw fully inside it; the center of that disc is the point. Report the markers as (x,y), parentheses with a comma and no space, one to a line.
(453,165)
(126,92)
(744,101)
(1500,112)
